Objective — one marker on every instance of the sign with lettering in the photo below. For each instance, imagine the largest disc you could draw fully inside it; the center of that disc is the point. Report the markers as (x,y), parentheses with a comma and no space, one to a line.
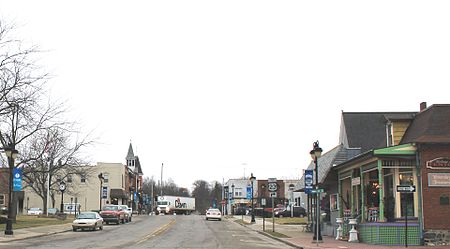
(308,181)
(356,181)
(439,163)
(104,192)
(439,179)
(17,179)
(406,188)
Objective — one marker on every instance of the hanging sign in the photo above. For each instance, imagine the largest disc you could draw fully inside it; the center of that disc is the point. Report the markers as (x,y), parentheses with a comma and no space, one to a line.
(308,181)
(439,163)
(17,179)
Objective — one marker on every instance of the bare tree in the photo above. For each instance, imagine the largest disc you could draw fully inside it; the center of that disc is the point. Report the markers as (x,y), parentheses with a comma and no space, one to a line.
(53,156)
(24,107)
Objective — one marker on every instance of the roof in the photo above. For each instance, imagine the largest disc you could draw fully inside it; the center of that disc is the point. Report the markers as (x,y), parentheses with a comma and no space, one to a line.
(367,130)
(327,161)
(130,154)
(432,125)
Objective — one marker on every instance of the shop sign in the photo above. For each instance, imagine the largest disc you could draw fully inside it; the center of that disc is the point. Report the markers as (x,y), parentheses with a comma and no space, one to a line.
(439,163)
(356,181)
(439,179)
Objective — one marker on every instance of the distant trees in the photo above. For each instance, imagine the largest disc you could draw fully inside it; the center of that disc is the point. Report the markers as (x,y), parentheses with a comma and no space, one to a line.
(206,194)
(169,187)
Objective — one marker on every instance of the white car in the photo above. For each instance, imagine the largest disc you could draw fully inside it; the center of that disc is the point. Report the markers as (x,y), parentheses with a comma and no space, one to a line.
(88,220)
(213,213)
(34,211)
(129,211)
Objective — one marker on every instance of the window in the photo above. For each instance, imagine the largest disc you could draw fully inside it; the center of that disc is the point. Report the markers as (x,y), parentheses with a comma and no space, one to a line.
(69,178)
(406,178)
(105,178)
(334,204)
(83,179)
(2,199)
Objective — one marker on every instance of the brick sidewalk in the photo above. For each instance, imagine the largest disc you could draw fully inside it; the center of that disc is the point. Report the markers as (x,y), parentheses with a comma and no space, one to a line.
(301,239)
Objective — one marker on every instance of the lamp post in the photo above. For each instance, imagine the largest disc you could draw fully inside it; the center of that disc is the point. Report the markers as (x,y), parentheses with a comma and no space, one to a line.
(11,154)
(315,153)
(252,178)
(101,178)
(232,198)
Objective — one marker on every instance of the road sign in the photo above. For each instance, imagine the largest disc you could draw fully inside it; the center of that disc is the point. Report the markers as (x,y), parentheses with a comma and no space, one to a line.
(263,201)
(315,191)
(273,194)
(406,188)
(272,186)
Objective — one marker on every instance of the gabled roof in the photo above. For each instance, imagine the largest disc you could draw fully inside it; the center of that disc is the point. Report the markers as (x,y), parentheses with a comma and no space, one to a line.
(130,154)
(328,160)
(367,130)
(432,125)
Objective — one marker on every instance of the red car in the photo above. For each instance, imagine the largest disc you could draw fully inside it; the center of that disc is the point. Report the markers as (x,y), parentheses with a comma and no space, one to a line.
(113,213)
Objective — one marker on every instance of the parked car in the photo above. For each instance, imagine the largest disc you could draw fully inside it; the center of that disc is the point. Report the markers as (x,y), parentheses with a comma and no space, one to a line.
(113,213)
(297,212)
(213,213)
(240,211)
(128,211)
(88,220)
(34,211)
(52,211)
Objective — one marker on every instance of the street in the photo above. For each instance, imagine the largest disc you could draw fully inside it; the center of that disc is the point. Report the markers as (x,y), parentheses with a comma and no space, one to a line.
(191,231)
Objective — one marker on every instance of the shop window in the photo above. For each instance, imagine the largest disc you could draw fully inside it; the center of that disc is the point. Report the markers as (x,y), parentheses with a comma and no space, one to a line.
(334,204)
(372,189)
(406,177)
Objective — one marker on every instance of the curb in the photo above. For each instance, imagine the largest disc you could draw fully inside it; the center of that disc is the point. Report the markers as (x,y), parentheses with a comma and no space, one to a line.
(270,236)
(35,236)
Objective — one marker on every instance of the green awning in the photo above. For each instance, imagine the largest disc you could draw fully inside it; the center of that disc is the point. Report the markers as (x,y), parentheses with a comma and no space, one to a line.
(404,149)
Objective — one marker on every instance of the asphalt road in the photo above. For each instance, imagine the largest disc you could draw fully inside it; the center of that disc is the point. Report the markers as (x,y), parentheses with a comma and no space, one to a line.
(180,231)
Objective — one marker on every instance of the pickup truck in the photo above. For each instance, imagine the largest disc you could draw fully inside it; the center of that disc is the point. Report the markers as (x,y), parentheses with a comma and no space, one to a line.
(113,213)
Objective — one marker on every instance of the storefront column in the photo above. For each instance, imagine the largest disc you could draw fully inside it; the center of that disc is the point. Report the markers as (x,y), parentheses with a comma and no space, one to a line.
(363,197)
(340,196)
(381,190)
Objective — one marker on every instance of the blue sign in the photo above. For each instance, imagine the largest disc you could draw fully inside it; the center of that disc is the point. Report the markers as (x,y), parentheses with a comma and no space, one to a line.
(249,192)
(17,179)
(308,181)
(135,197)
(104,192)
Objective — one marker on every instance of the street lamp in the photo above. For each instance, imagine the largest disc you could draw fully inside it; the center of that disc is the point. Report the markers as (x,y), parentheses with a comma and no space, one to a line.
(315,153)
(11,153)
(101,178)
(252,178)
(232,197)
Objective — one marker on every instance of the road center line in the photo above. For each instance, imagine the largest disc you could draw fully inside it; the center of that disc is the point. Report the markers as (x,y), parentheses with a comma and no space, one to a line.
(157,232)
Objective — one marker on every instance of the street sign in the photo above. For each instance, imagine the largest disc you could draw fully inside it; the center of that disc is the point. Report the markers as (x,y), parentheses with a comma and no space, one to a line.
(104,192)
(273,194)
(272,186)
(263,201)
(17,181)
(315,191)
(406,188)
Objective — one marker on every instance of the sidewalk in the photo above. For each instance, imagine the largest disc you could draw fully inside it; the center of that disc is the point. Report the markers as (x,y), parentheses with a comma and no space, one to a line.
(33,232)
(300,239)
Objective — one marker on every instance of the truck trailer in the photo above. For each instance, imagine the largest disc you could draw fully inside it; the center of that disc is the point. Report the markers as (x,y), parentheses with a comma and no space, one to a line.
(175,205)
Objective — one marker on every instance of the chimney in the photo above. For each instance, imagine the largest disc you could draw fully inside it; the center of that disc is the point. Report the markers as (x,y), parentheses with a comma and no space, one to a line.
(423,106)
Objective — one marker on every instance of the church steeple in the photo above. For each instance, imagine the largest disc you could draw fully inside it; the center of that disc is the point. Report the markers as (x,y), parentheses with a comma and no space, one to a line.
(130,156)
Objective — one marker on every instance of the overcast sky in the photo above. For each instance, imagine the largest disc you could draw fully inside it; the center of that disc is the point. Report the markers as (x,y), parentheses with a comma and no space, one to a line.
(219,89)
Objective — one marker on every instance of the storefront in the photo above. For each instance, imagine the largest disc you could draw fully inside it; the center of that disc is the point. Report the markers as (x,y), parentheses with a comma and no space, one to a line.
(368,192)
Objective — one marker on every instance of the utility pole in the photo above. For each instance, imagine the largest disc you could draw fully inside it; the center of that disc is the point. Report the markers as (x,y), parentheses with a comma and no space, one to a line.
(162,166)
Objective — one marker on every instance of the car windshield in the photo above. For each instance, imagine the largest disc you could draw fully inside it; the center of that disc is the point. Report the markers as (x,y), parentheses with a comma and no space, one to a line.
(162,202)
(86,216)
(213,210)
(110,208)
(35,209)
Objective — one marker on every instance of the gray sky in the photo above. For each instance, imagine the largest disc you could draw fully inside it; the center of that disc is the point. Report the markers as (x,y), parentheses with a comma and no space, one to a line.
(219,89)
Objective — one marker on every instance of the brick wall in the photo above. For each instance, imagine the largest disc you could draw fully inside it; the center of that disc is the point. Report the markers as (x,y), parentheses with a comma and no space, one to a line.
(436,216)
